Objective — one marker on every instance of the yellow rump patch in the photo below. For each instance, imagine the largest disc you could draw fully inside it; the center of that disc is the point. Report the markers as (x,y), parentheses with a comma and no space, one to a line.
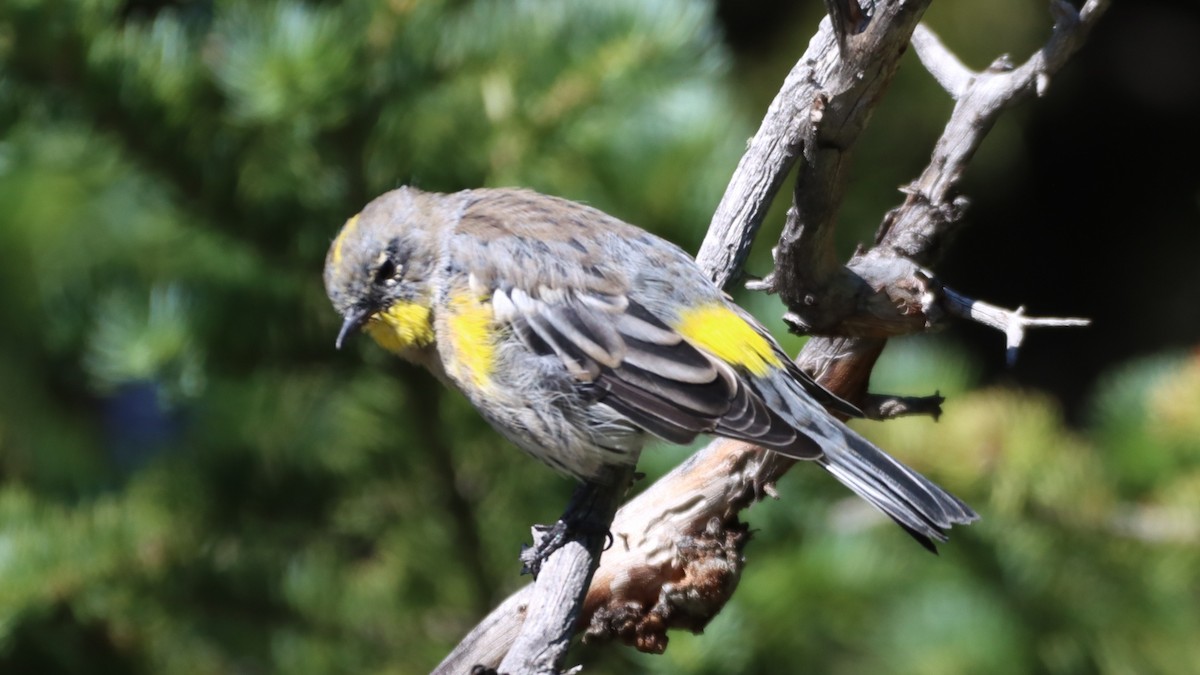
(727,336)
(336,256)
(401,327)
(472,339)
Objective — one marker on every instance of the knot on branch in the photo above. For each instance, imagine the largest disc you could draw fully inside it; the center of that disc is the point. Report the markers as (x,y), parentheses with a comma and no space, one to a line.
(878,295)
(925,223)
(701,579)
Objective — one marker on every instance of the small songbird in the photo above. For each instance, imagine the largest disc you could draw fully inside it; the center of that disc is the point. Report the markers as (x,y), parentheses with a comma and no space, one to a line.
(579,336)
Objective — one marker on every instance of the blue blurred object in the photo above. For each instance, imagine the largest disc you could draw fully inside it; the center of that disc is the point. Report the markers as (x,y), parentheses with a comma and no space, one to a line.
(139,425)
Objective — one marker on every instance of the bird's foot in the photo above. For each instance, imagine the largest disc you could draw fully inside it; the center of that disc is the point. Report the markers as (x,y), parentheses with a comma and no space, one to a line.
(546,540)
(549,538)
(578,523)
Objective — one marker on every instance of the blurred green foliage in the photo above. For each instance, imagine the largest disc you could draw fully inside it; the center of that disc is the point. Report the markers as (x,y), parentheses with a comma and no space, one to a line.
(193,481)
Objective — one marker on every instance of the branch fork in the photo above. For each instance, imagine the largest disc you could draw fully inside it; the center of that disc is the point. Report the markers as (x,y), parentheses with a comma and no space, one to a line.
(677,547)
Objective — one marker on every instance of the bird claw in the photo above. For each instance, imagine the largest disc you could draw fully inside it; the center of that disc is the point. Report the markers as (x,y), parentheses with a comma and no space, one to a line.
(578,522)
(546,540)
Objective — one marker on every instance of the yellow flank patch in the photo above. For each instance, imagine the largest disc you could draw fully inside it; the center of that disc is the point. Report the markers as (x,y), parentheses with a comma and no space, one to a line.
(341,238)
(401,327)
(472,339)
(727,336)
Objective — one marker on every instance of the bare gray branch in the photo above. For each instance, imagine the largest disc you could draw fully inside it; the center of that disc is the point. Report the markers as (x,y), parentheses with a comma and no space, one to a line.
(941,62)
(1012,322)
(886,407)
(676,555)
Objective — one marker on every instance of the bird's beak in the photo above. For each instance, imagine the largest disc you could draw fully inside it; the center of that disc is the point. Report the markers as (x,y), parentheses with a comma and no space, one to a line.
(354,320)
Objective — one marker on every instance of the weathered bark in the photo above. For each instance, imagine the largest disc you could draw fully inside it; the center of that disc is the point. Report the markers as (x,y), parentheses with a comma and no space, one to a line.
(676,556)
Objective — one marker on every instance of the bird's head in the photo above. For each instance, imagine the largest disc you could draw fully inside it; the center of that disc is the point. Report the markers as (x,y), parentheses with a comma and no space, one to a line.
(379,269)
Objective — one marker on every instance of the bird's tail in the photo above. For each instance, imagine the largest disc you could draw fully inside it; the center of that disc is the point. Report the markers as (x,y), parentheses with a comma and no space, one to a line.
(922,508)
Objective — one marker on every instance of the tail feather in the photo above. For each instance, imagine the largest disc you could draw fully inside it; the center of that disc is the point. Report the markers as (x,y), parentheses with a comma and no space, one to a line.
(922,508)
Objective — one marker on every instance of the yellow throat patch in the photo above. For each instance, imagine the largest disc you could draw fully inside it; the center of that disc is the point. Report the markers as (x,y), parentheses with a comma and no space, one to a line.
(726,335)
(401,327)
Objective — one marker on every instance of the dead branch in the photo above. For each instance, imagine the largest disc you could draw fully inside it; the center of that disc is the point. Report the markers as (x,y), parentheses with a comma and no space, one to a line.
(823,105)
(1012,322)
(888,407)
(554,607)
(933,206)
(676,554)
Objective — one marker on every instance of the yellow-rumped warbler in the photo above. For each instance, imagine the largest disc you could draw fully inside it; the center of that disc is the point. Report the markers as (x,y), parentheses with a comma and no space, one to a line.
(578,336)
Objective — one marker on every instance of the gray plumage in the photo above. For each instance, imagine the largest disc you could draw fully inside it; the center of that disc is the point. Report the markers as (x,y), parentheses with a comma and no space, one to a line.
(584,354)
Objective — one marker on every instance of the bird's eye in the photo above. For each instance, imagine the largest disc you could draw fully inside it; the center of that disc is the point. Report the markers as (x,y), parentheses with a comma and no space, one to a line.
(388,272)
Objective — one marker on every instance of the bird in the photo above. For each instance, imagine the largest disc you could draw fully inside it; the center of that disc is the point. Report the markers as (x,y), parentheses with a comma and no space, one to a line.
(579,337)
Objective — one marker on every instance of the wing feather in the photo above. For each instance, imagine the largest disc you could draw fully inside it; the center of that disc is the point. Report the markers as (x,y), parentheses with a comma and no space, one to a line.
(670,362)
(598,341)
(622,355)
(652,413)
(642,368)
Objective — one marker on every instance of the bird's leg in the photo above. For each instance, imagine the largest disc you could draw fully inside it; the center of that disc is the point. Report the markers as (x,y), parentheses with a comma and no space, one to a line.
(579,520)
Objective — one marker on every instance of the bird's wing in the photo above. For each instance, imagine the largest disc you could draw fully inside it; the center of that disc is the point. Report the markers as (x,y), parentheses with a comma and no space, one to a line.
(644,368)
